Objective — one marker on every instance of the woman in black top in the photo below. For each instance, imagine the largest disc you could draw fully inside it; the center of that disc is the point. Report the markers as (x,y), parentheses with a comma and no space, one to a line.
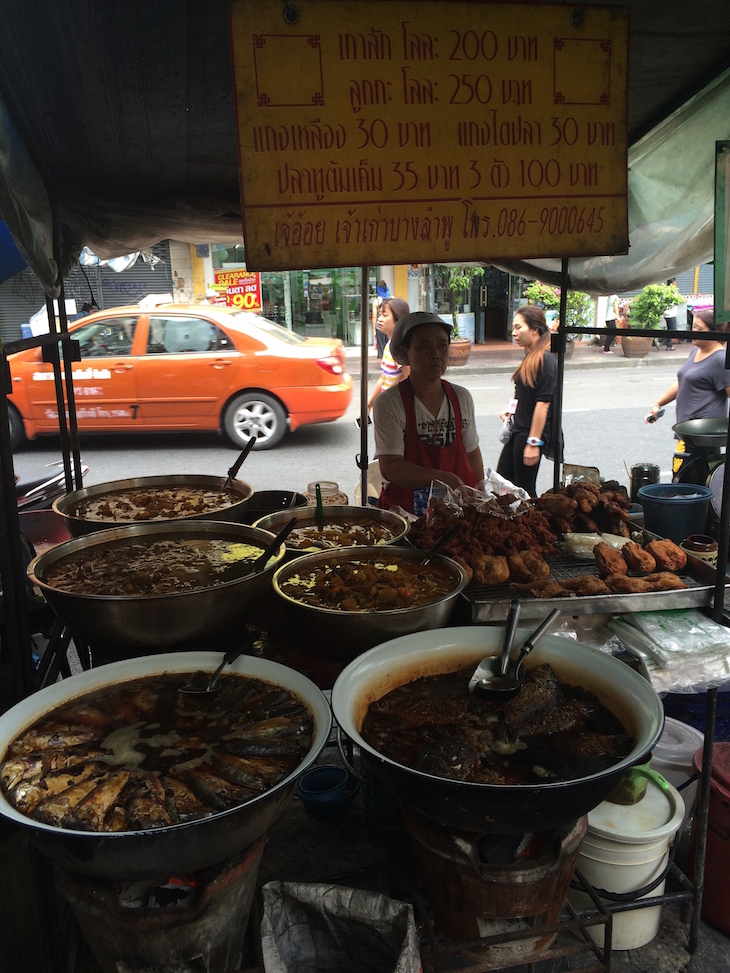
(535,381)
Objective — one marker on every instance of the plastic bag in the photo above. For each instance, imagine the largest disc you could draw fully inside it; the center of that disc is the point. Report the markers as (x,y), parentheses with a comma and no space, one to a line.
(308,928)
(683,651)
(505,433)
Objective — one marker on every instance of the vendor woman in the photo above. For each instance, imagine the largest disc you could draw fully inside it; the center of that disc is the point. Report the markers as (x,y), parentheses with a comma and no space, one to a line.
(424,427)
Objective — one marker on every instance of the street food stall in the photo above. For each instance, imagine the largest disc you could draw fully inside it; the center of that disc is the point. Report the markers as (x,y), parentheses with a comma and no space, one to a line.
(155,808)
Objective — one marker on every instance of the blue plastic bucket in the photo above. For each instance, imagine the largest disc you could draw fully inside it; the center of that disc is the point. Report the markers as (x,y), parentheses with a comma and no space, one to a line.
(675,510)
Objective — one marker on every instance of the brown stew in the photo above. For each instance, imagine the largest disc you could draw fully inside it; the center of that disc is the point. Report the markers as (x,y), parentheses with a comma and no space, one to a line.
(550,732)
(340,533)
(153,567)
(142,754)
(362,586)
(152,503)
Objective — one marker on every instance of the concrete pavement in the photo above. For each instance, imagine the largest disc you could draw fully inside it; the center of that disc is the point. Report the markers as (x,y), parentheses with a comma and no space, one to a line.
(494,357)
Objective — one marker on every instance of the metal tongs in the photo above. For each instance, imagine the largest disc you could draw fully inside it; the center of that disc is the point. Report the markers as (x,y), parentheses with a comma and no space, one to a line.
(497,678)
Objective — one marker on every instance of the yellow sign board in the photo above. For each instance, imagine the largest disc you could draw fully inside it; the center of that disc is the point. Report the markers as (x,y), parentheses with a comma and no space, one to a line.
(397,132)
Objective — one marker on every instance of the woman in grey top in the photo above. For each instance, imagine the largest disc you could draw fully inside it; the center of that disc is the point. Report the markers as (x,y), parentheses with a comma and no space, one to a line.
(703,383)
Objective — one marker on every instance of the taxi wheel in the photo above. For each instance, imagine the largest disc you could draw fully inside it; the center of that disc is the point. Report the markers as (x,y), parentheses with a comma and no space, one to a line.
(17,430)
(255,414)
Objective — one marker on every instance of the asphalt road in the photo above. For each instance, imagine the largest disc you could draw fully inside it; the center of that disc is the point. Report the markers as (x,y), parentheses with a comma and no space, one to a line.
(602,424)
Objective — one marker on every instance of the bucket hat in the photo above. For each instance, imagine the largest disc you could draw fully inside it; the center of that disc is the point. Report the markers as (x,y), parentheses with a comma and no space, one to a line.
(407,323)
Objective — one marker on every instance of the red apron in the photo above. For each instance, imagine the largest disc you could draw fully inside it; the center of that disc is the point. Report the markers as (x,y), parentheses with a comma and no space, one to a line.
(451,458)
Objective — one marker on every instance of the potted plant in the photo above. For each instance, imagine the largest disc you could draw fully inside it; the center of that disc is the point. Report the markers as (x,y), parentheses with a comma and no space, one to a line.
(457,279)
(646,311)
(579,307)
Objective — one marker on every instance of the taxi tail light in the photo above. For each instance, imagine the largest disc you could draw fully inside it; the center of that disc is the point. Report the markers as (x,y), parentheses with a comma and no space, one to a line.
(334,363)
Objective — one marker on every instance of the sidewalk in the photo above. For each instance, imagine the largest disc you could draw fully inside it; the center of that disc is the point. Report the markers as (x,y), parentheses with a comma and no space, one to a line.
(493,357)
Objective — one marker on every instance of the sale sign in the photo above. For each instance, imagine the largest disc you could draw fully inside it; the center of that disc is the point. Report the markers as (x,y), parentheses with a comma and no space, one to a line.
(242,289)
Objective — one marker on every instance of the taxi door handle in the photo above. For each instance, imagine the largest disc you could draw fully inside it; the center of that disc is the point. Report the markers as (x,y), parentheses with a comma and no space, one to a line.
(122,367)
(221,363)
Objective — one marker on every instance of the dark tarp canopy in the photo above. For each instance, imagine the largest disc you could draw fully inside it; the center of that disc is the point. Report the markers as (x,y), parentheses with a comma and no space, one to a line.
(118,119)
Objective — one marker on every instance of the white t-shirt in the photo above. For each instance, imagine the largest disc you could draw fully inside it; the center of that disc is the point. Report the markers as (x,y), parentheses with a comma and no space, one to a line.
(390,422)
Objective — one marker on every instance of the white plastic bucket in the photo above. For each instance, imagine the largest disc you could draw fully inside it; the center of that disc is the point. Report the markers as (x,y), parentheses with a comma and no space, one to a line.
(625,848)
(672,757)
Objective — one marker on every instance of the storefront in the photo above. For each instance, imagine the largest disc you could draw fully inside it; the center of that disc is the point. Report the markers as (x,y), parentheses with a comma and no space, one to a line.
(313,303)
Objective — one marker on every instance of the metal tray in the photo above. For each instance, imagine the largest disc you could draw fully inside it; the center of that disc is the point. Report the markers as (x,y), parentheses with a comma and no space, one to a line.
(491,603)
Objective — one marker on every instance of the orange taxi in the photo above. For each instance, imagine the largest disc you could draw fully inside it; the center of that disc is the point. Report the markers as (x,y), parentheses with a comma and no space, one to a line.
(186,367)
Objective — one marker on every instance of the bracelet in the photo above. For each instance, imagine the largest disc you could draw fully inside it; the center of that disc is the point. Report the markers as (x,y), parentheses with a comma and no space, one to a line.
(532,441)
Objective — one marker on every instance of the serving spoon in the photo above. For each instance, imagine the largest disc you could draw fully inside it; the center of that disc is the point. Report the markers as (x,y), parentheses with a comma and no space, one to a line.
(505,685)
(494,666)
(211,687)
(260,563)
(233,472)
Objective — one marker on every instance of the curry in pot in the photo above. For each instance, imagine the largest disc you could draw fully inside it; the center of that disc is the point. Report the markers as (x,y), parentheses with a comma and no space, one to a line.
(152,567)
(365,586)
(152,503)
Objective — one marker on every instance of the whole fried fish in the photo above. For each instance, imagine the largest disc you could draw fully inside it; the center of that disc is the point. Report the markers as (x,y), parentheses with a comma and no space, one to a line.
(540,693)
(215,791)
(52,736)
(146,808)
(55,810)
(27,795)
(181,803)
(89,813)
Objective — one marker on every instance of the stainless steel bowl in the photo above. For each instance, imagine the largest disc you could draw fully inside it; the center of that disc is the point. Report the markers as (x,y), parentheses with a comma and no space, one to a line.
(122,624)
(307,517)
(80,526)
(347,633)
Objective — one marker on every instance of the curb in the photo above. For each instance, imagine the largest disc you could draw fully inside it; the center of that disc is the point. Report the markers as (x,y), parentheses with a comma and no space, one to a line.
(577,363)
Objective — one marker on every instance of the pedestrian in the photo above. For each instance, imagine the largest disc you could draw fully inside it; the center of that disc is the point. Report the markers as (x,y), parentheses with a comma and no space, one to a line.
(535,382)
(703,383)
(379,339)
(670,316)
(391,311)
(424,427)
(613,313)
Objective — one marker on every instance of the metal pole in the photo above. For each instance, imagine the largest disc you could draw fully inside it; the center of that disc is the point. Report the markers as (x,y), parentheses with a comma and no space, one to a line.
(558,397)
(362,457)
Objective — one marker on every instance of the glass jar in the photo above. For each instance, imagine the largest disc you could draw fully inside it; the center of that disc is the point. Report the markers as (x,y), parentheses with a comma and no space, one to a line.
(331,493)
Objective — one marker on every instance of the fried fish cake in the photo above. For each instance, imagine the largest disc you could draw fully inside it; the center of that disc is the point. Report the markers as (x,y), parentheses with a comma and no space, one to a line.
(637,559)
(608,560)
(489,569)
(527,566)
(668,555)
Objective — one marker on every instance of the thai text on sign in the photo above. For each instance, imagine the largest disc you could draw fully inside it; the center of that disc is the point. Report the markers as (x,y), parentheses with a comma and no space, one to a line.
(374,132)
(243,289)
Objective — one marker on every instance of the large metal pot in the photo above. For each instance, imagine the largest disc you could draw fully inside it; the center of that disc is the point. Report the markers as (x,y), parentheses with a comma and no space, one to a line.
(79,526)
(344,633)
(702,432)
(123,624)
(307,517)
(181,848)
(497,809)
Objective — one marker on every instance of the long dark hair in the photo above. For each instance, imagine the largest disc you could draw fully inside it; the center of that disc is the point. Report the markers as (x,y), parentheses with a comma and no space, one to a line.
(398,307)
(529,367)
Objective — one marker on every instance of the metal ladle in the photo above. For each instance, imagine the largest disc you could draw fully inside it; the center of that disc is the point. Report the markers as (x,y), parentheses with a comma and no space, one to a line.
(231,655)
(501,686)
(495,666)
(233,472)
(260,563)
